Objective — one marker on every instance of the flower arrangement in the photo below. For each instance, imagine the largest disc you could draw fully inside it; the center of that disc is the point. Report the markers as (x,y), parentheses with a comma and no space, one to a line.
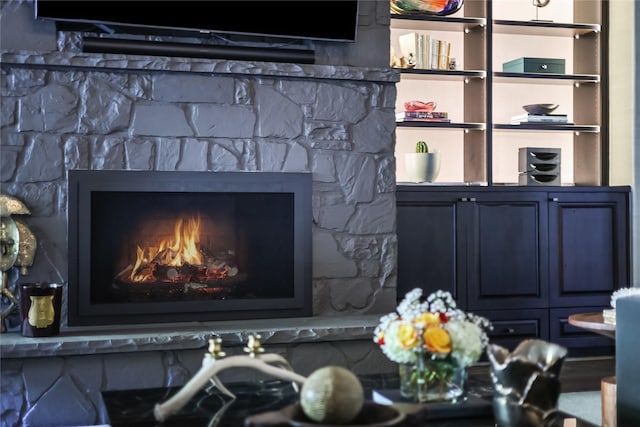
(432,334)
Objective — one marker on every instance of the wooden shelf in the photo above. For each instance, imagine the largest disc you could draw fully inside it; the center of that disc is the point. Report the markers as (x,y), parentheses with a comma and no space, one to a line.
(417,124)
(543,28)
(546,78)
(546,127)
(442,74)
(418,21)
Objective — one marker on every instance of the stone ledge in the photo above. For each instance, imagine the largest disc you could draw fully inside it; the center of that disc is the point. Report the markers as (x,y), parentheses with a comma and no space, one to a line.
(111,62)
(75,341)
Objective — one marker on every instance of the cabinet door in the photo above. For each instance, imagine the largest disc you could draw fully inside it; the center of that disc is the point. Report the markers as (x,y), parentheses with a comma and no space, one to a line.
(589,255)
(507,244)
(428,244)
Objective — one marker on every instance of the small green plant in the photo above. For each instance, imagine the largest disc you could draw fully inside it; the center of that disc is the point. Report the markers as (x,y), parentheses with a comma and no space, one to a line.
(422,147)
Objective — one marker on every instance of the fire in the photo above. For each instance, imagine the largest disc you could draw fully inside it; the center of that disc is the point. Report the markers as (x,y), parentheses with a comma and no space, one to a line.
(182,249)
(180,259)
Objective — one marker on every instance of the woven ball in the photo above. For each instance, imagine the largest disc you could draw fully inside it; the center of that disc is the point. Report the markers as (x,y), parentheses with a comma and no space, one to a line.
(332,395)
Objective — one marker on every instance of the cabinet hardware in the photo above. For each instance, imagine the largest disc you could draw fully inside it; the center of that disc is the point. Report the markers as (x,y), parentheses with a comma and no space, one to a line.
(509,330)
(553,199)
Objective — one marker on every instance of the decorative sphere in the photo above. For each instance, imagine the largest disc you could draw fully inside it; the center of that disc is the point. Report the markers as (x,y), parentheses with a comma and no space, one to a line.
(331,395)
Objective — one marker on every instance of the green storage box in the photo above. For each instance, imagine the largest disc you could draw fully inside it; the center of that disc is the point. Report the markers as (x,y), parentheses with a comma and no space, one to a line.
(534,65)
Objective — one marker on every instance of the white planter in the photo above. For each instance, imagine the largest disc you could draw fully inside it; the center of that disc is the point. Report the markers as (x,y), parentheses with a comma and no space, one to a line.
(422,167)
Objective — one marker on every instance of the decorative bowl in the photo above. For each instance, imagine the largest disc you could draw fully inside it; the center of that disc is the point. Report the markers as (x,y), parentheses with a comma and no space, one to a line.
(426,7)
(428,107)
(540,108)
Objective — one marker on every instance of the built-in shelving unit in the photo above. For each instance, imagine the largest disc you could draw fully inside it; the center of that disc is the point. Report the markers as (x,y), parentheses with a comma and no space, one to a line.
(517,251)
(480,144)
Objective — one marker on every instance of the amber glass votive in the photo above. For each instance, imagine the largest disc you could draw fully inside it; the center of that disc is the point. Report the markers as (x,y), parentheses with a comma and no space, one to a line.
(40,305)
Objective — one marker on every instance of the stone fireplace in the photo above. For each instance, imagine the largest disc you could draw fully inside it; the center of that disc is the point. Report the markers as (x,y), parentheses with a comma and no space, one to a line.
(152,247)
(66,110)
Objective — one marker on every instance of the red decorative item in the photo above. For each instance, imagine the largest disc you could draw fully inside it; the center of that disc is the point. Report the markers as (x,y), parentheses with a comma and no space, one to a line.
(420,106)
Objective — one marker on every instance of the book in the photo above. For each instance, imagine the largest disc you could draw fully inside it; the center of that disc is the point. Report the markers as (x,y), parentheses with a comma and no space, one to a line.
(415,48)
(426,50)
(425,115)
(444,50)
(433,63)
(609,316)
(426,120)
(418,116)
(539,118)
(409,47)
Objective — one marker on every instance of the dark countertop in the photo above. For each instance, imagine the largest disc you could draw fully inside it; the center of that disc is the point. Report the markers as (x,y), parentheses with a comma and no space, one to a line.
(277,400)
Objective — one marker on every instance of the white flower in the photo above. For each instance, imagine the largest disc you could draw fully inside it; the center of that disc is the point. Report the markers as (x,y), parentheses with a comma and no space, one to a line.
(466,340)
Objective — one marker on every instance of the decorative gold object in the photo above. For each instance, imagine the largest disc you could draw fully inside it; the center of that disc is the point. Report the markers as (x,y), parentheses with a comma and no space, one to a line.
(253,345)
(17,248)
(40,307)
(215,362)
(9,205)
(27,247)
(215,348)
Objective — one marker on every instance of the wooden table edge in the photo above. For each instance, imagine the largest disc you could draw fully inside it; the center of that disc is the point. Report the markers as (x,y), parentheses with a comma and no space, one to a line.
(593,322)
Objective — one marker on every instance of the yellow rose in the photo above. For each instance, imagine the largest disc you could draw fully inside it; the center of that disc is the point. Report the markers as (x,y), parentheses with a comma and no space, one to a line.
(407,335)
(437,340)
(428,319)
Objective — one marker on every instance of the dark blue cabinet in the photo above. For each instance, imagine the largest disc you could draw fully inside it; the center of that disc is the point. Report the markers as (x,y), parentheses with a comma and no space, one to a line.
(524,257)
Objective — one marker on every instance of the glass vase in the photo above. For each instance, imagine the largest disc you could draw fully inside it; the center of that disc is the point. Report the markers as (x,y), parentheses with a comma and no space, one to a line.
(432,381)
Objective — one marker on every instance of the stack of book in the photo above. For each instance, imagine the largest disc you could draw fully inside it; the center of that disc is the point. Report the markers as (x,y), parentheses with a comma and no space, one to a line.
(546,119)
(609,316)
(425,52)
(423,116)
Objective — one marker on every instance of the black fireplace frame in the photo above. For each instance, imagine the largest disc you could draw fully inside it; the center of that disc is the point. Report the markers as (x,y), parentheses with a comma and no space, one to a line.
(83,183)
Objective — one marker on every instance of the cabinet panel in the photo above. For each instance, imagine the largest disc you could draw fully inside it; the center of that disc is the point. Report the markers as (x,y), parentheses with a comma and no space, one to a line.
(428,254)
(589,247)
(509,246)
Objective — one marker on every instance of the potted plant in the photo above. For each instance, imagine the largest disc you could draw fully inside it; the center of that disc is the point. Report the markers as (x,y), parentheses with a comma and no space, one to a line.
(422,165)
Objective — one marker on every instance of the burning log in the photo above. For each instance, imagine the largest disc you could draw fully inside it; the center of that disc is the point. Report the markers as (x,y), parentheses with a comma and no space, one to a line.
(178,267)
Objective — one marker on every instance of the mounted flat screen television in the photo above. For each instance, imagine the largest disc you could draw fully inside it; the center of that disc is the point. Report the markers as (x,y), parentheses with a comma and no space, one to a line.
(313,20)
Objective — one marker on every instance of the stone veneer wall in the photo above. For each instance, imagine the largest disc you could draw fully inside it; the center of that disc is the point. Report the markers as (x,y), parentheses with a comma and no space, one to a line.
(63,109)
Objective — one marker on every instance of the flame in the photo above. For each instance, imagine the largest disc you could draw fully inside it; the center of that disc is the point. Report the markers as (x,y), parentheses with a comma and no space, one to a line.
(181,249)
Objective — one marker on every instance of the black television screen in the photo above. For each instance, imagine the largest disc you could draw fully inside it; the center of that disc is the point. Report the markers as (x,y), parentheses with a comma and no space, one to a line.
(331,20)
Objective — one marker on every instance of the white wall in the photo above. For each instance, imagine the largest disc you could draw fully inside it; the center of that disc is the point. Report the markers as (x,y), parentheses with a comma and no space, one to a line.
(623,104)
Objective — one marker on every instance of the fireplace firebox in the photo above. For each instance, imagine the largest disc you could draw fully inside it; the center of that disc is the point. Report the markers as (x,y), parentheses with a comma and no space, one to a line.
(157,247)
